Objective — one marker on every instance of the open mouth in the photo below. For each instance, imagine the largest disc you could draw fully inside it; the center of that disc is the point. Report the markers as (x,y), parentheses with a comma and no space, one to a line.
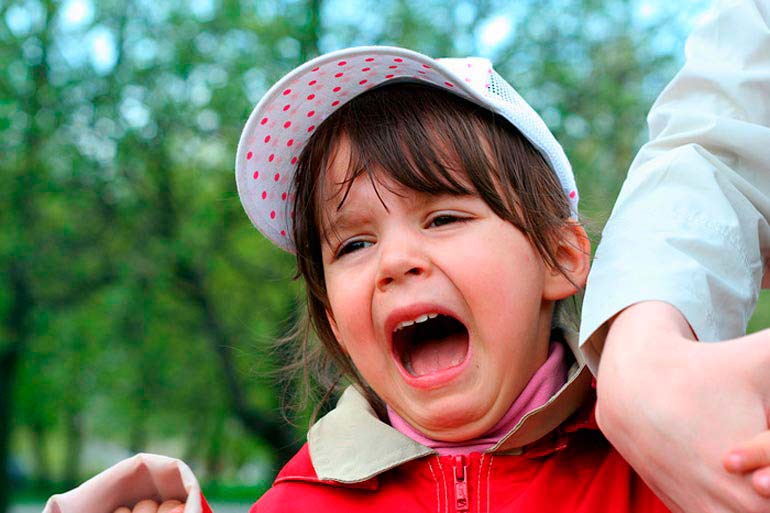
(430,343)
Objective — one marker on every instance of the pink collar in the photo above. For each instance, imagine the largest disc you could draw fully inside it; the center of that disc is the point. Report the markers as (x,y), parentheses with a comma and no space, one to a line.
(546,381)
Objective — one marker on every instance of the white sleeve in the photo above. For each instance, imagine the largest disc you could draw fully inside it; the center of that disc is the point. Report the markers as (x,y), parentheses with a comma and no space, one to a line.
(690,226)
(144,476)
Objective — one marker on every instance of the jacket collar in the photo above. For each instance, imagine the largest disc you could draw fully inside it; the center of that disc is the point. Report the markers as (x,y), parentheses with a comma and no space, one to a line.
(350,444)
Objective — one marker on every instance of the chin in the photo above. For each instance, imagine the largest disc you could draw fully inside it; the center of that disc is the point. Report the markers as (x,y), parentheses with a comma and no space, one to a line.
(452,424)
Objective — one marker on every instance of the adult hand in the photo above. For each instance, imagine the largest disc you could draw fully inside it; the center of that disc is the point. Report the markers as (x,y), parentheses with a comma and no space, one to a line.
(150,506)
(674,407)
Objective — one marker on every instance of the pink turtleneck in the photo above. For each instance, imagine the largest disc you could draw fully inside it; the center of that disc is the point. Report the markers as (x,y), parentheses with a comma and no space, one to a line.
(546,381)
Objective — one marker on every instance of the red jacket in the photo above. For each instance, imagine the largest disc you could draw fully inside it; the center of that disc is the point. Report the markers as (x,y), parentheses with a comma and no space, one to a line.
(573,469)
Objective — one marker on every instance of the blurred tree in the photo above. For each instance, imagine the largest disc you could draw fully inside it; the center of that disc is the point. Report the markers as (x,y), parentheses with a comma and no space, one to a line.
(37,239)
(137,300)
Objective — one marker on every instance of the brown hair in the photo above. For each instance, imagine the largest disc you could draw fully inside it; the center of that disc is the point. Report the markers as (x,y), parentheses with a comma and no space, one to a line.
(431,141)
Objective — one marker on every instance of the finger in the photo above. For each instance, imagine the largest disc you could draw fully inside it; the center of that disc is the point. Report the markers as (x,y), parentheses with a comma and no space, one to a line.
(172,506)
(761,481)
(750,455)
(146,506)
(122,509)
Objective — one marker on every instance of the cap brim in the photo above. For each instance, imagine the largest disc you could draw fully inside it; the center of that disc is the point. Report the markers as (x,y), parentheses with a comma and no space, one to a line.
(286,117)
(283,121)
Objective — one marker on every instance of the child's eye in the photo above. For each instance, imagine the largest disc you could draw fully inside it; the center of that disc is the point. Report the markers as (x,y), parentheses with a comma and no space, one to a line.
(444,219)
(351,246)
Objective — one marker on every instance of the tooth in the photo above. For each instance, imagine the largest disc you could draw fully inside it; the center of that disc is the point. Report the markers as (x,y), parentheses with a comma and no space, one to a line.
(421,318)
(403,324)
(432,316)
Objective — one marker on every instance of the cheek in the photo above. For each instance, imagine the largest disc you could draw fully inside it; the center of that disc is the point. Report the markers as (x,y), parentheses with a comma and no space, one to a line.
(349,306)
(509,279)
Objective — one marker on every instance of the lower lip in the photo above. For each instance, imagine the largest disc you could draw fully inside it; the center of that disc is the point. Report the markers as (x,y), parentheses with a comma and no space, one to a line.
(434,379)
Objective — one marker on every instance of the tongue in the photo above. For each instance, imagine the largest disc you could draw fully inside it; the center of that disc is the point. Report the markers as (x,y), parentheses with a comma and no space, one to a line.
(436,354)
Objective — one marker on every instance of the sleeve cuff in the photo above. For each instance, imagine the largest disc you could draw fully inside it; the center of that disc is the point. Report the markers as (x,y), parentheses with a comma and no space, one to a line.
(144,476)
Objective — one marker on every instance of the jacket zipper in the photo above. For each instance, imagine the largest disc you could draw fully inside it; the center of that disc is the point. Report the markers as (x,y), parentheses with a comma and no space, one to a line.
(461,484)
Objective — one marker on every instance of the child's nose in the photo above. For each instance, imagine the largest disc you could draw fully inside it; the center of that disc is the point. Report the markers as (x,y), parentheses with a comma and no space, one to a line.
(401,259)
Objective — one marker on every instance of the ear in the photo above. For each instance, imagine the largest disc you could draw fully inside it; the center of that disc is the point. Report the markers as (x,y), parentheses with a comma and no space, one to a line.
(573,255)
(335,330)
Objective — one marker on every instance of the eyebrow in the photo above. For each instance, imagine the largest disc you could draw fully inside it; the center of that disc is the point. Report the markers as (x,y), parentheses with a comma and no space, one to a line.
(342,218)
(339,221)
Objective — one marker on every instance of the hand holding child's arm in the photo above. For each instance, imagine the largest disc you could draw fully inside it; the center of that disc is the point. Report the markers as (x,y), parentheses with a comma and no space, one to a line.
(752,456)
(150,506)
(673,407)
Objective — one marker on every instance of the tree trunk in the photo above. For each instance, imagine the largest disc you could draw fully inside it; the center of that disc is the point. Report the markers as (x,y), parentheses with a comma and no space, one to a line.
(73,449)
(265,424)
(17,328)
(42,472)
(137,438)
(22,302)
(214,457)
(8,364)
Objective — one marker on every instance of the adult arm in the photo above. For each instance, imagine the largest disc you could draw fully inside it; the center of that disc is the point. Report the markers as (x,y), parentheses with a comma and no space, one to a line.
(690,232)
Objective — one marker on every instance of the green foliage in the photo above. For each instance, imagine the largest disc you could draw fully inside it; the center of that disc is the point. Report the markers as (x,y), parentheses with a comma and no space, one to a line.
(138,303)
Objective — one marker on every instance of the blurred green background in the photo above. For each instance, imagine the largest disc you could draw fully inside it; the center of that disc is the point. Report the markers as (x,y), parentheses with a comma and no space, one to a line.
(137,304)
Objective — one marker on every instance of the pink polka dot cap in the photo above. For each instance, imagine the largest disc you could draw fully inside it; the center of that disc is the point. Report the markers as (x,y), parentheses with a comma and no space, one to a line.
(289,113)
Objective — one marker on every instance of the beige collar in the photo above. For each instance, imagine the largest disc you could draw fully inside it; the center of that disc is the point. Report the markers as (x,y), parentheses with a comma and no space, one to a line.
(350,444)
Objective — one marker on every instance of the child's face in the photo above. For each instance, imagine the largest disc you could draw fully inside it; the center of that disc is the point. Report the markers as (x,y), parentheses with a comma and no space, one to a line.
(396,255)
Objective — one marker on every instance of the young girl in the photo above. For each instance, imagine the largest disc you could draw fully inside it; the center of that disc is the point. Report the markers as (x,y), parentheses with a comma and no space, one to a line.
(434,219)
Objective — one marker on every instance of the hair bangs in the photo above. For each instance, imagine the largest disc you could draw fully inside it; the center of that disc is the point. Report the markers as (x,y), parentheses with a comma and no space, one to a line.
(413,147)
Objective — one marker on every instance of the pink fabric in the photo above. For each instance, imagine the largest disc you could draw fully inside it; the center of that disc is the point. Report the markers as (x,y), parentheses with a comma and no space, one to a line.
(144,476)
(546,381)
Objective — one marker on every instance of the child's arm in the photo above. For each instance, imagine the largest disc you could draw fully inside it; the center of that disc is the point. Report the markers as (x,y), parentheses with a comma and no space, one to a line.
(752,456)
(150,506)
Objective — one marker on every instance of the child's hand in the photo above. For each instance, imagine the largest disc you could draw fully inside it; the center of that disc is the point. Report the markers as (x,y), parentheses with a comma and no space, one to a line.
(150,506)
(752,456)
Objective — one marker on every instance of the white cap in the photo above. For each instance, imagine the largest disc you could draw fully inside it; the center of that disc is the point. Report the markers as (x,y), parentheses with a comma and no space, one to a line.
(286,117)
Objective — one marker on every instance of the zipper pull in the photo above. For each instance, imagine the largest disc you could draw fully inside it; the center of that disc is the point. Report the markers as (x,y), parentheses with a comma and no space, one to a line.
(461,484)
